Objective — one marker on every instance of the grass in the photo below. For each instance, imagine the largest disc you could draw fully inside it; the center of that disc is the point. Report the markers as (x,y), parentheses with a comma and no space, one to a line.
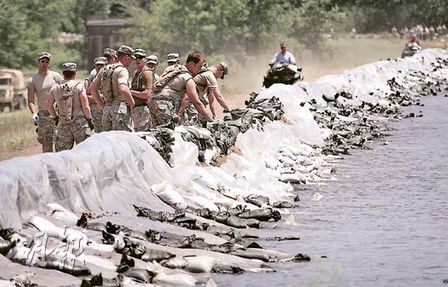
(17,133)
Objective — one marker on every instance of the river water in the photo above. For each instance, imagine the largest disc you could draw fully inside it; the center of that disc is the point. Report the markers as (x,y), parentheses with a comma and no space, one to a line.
(384,222)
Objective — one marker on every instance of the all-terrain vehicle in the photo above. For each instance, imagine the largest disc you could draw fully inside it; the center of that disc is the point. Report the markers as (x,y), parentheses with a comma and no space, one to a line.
(410,50)
(283,73)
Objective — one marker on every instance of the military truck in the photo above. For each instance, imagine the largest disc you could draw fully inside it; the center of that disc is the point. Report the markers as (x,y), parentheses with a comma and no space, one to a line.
(12,90)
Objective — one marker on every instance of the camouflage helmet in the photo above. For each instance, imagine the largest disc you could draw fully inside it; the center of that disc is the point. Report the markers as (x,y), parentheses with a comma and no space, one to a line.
(69,67)
(140,53)
(225,68)
(100,61)
(44,55)
(152,59)
(172,57)
(126,50)
(109,52)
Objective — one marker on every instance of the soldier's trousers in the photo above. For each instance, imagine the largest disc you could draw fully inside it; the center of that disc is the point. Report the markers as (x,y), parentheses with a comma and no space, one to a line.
(117,117)
(162,112)
(142,118)
(45,131)
(97,118)
(69,133)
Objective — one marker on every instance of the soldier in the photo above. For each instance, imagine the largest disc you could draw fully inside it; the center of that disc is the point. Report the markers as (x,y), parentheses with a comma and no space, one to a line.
(152,62)
(141,89)
(172,58)
(38,86)
(118,101)
(168,92)
(111,55)
(207,85)
(74,121)
(97,114)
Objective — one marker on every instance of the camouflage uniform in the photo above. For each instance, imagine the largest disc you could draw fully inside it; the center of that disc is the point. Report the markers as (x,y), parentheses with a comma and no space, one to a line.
(97,114)
(73,125)
(116,113)
(41,86)
(141,116)
(168,92)
(204,82)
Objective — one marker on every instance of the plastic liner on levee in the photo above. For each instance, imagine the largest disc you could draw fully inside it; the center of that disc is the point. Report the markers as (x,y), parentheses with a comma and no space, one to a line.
(171,208)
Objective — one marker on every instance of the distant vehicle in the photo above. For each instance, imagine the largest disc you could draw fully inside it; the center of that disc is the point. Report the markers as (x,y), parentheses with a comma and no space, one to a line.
(12,90)
(283,73)
(410,50)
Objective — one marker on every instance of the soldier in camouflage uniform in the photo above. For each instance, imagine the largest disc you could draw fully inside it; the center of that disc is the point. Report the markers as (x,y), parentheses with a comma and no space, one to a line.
(110,55)
(38,86)
(74,121)
(168,91)
(141,89)
(172,59)
(118,101)
(97,114)
(152,62)
(207,86)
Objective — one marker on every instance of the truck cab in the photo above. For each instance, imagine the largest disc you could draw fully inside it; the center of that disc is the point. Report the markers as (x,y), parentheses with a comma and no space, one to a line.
(12,90)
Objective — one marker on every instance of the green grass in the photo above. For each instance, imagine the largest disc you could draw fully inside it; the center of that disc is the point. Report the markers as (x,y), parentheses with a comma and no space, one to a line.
(17,132)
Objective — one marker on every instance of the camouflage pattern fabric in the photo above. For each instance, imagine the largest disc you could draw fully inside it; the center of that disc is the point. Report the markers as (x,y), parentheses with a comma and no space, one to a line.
(142,118)
(117,117)
(162,113)
(69,133)
(45,131)
(97,118)
(191,115)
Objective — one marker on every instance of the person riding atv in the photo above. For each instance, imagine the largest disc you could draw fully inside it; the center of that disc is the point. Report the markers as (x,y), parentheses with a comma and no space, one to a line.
(283,68)
(412,47)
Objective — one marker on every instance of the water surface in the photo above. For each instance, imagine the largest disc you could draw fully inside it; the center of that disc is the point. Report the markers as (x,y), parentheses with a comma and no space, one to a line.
(383,223)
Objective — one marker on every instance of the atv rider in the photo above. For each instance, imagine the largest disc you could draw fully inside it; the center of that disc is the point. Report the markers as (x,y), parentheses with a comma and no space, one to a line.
(413,44)
(283,56)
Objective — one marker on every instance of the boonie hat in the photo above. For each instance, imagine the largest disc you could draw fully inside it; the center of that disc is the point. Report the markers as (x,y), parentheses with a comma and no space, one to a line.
(109,52)
(140,52)
(172,57)
(44,55)
(126,50)
(224,68)
(100,61)
(72,67)
(152,59)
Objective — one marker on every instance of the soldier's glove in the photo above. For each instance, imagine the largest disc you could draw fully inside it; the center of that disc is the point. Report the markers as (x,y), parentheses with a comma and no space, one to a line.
(35,118)
(56,120)
(90,123)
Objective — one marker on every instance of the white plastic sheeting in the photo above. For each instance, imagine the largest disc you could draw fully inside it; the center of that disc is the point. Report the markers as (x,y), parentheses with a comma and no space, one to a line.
(110,172)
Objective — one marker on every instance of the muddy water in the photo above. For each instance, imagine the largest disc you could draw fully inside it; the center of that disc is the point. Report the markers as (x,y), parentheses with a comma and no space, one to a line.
(383,223)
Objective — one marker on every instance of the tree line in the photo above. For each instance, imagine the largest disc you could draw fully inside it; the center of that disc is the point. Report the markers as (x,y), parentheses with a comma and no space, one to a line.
(232,27)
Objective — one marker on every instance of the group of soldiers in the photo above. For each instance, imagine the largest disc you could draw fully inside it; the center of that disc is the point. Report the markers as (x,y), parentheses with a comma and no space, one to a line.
(68,110)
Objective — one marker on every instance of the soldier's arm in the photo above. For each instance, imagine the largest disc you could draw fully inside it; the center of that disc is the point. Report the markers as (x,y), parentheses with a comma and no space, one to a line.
(219,98)
(126,95)
(31,97)
(50,104)
(85,104)
(183,105)
(211,103)
(93,90)
(194,98)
